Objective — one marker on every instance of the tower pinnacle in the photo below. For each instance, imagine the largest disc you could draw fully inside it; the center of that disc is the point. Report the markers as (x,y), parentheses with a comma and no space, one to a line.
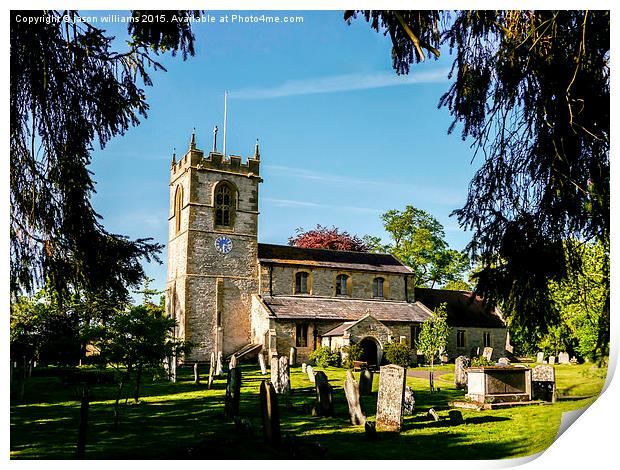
(174,156)
(192,144)
(215,138)
(256,151)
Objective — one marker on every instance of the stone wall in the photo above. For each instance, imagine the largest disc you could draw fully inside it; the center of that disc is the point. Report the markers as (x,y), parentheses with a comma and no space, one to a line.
(474,339)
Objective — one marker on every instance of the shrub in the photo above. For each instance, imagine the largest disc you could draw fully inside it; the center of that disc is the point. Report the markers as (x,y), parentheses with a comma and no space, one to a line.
(323,357)
(353,353)
(481,361)
(397,353)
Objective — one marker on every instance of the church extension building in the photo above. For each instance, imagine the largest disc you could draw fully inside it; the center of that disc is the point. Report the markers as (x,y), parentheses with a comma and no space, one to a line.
(230,293)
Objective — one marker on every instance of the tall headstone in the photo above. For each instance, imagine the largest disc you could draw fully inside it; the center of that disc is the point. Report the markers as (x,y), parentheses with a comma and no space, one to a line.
(292,356)
(320,377)
(285,377)
(233,362)
(233,393)
(543,383)
(325,399)
(303,367)
(261,363)
(275,373)
(563,358)
(408,402)
(219,365)
(212,364)
(460,374)
(269,413)
(196,373)
(210,382)
(390,398)
(351,391)
(487,353)
(310,372)
(551,360)
(540,357)
(366,377)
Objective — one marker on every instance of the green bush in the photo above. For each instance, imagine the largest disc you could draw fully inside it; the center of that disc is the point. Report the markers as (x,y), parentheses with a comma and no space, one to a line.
(481,361)
(323,357)
(353,353)
(397,353)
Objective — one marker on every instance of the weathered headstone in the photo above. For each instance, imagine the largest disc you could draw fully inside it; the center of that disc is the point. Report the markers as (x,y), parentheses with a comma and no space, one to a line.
(433,414)
(563,358)
(456,417)
(233,362)
(233,393)
(551,360)
(325,399)
(540,357)
(390,398)
(303,367)
(366,377)
(210,382)
(543,383)
(503,361)
(351,391)
(310,372)
(320,377)
(292,356)
(269,413)
(212,364)
(196,373)
(573,360)
(275,373)
(408,402)
(285,376)
(460,374)
(219,365)
(261,363)
(487,353)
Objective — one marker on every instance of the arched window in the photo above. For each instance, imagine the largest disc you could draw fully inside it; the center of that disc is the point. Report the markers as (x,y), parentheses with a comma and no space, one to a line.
(224,205)
(301,283)
(341,284)
(377,287)
(178,205)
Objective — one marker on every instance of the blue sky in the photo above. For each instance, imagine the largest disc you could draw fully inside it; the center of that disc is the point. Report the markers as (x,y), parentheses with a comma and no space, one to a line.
(342,138)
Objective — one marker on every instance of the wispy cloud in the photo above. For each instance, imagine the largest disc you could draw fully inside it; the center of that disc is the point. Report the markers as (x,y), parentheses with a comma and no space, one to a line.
(339,83)
(295,203)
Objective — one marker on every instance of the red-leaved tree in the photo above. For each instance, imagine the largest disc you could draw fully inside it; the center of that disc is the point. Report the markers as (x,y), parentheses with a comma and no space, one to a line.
(328,238)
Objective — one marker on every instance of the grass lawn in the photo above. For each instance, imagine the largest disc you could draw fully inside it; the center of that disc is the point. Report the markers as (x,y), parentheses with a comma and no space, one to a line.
(185,420)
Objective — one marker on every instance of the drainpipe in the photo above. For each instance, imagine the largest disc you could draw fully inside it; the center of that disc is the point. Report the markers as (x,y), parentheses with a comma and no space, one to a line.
(406,293)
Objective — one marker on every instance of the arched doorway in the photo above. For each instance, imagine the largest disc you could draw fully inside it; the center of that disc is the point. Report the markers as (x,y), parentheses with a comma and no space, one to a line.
(369,351)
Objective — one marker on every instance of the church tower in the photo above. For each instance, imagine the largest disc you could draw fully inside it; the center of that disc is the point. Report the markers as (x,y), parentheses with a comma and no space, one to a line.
(212,249)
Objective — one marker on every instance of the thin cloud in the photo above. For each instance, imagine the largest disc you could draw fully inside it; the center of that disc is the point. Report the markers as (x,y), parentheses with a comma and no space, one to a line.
(339,83)
(295,203)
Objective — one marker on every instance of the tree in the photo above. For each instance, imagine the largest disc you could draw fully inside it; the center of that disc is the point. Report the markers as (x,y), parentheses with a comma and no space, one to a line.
(418,240)
(70,90)
(433,338)
(531,88)
(327,238)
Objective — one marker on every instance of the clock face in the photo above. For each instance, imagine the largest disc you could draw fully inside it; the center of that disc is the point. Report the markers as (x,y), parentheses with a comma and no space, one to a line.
(223,245)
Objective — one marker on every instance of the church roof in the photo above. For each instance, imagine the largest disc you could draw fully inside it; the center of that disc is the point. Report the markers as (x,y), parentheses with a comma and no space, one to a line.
(463,308)
(344,309)
(335,259)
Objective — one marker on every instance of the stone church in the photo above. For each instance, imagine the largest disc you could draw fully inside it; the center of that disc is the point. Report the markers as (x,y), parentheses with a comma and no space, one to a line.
(230,293)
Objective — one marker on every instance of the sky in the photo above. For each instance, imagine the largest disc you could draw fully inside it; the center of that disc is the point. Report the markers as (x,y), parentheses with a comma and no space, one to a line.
(343,139)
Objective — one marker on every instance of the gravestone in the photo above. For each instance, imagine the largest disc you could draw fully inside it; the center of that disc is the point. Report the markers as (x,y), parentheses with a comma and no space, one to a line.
(543,383)
(303,367)
(320,377)
(233,393)
(196,373)
(460,374)
(433,414)
(503,361)
(573,360)
(210,382)
(390,398)
(292,356)
(351,391)
(408,402)
(310,372)
(551,360)
(456,417)
(366,377)
(212,363)
(233,362)
(261,363)
(269,413)
(275,373)
(540,357)
(219,365)
(285,376)
(563,358)
(325,399)
(487,353)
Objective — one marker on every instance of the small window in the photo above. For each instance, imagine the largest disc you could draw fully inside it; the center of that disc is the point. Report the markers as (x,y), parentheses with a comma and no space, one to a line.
(377,288)
(301,283)
(486,339)
(301,335)
(341,284)
(415,333)
(224,205)
(178,206)
(460,338)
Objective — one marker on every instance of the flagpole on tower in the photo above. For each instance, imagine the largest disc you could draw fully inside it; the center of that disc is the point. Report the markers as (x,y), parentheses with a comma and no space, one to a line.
(225,102)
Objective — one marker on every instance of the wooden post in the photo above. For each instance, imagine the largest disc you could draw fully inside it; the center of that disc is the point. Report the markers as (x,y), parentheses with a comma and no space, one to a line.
(81,442)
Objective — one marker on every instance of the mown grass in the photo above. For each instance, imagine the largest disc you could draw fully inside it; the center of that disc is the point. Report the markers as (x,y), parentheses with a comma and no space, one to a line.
(185,420)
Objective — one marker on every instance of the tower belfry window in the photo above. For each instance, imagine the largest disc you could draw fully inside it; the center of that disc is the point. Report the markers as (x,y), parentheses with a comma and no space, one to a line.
(178,205)
(224,205)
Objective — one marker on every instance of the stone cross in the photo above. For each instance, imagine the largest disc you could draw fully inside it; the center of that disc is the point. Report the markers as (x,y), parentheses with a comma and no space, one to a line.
(233,393)
(366,377)
(408,402)
(390,398)
(460,375)
(292,356)
(261,363)
(219,365)
(269,413)
(351,391)
(487,353)
(284,380)
(310,372)
(540,357)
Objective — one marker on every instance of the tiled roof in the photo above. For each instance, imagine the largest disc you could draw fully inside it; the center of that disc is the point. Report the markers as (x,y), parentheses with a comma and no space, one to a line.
(282,254)
(463,308)
(340,329)
(345,309)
